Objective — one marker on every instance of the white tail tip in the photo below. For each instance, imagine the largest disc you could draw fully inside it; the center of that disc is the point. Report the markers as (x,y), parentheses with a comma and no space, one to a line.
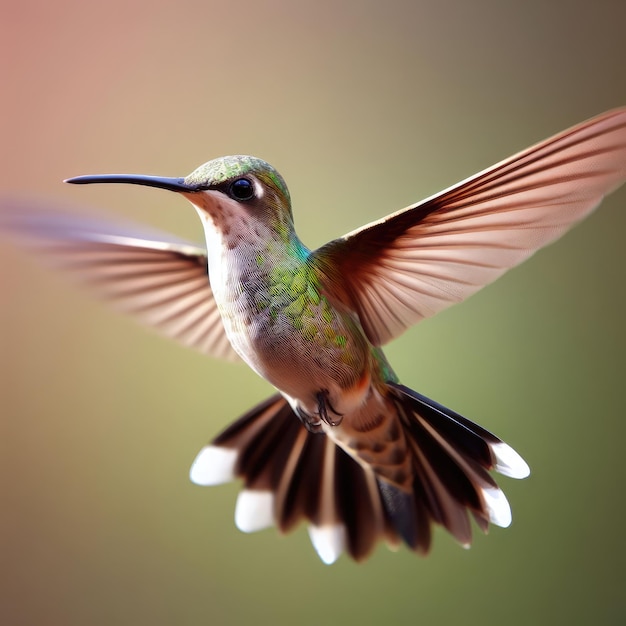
(213,466)
(498,507)
(254,510)
(508,462)
(328,541)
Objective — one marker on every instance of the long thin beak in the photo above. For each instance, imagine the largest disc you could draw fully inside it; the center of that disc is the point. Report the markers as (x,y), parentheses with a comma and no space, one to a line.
(171,184)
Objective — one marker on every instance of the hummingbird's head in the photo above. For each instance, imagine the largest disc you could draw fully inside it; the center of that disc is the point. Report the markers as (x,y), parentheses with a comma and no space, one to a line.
(225,190)
(239,186)
(242,178)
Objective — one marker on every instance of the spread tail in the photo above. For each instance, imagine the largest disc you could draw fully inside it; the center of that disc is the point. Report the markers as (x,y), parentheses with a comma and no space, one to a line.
(291,474)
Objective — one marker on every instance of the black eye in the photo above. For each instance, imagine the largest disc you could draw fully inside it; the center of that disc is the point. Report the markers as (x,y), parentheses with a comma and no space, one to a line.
(242,189)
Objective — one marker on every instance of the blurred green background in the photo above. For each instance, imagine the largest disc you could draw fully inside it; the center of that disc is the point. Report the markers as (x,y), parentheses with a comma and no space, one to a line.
(364,107)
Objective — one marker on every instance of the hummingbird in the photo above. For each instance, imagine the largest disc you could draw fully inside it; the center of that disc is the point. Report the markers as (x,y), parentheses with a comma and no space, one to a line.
(342,444)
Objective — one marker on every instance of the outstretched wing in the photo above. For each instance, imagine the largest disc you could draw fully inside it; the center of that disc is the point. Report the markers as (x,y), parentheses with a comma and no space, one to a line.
(157,279)
(418,261)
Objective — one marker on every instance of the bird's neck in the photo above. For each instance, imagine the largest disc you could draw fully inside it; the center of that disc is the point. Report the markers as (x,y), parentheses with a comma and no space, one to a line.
(255,275)
(246,254)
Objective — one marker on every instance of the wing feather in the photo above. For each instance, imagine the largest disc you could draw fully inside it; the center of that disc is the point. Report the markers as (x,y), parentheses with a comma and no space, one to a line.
(159,280)
(420,260)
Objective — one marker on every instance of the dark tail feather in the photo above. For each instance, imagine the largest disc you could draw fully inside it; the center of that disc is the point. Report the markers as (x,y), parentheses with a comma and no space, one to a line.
(292,475)
(452,457)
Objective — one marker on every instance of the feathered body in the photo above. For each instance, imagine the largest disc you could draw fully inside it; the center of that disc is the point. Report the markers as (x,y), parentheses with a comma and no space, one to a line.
(343,444)
(282,318)
(271,301)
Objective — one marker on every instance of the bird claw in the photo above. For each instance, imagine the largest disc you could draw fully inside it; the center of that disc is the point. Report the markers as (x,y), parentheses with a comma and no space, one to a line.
(313,423)
(323,404)
(310,423)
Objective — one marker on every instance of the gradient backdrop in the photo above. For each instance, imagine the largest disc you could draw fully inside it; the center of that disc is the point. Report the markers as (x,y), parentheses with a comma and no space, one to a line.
(364,107)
